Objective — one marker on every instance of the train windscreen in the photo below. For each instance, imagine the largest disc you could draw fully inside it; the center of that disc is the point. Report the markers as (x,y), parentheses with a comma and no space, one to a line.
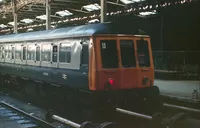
(143,53)
(109,55)
(127,53)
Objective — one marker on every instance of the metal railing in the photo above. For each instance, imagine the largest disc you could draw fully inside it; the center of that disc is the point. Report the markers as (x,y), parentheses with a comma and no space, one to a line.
(177,61)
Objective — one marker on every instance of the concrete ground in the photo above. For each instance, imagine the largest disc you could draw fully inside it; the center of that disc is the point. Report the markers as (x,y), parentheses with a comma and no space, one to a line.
(189,90)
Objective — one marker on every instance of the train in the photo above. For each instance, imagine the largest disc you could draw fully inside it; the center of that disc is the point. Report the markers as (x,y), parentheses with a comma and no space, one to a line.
(92,64)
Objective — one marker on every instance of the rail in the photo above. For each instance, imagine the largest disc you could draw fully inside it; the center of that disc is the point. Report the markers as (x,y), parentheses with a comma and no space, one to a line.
(182,108)
(37,120)
(179,120)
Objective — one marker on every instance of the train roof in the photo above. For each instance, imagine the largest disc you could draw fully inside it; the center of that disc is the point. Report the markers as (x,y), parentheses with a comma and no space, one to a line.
(68,32)
(75,31)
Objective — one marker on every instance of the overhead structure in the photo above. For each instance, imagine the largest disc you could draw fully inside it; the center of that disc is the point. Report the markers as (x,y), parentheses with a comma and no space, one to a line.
(48,12)
(36,14)
(13,3)
(103,10)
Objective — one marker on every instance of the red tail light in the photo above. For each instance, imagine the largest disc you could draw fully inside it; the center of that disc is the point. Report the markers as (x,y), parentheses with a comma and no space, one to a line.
(111,81)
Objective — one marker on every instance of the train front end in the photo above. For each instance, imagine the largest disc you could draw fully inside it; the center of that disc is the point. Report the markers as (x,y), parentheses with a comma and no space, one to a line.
(123,71)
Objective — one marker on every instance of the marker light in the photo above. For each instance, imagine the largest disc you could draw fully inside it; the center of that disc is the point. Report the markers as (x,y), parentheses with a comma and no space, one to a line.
(111,81)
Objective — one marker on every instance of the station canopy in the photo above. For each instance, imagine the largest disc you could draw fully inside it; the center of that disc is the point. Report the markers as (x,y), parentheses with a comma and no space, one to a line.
(32,13)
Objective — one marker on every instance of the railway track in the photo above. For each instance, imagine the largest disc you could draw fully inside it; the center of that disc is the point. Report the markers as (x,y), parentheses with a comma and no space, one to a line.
(178,120)
(174,108)
(27,120)
(24,119)
(160,120)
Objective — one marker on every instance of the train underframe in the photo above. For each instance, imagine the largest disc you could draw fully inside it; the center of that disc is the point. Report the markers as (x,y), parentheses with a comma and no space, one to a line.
(143,100)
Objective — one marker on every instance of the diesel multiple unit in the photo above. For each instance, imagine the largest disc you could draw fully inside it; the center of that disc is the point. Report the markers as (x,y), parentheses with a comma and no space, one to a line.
(89,62)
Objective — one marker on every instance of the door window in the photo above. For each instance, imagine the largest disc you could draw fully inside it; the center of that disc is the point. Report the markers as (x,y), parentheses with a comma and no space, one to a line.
(143,53)
(127,53)
(109,54)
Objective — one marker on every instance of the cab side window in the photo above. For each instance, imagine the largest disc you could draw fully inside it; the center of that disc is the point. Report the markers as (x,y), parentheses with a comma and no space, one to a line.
(84,54)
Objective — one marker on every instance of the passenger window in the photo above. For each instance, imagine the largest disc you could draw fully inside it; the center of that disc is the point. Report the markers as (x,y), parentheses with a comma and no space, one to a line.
(46,52)
(55,53)
(127,53)
(7,52)
(31,52)
(143,53)
(3,53)
(18,52)
(38,53)
(24,53)
(109,55)
(13,52)
(85,54)
(65,53)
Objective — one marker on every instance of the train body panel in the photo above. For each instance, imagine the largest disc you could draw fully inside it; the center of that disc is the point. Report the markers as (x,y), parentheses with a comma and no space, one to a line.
(77,79)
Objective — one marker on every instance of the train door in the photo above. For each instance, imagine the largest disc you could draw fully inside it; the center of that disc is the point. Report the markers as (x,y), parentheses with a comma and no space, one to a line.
(54,61)
(31,48)
(46,54)
(145,62)
(129,72)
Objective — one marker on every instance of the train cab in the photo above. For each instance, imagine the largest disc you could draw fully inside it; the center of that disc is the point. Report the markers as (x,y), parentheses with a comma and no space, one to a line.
(122,62)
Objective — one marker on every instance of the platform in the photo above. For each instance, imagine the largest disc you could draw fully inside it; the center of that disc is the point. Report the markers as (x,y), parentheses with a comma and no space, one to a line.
(180,89)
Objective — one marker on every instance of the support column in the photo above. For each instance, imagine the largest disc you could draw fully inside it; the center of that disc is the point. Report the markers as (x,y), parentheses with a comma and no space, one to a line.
(48,13)
(103,11)
(161,32)
(14,8)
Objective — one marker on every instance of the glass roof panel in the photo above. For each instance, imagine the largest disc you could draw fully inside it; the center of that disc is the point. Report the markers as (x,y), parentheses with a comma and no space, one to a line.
(64,13)
(130,1)
(3,26)
(42,17)
(92,7)
(148,13)
(27,21)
